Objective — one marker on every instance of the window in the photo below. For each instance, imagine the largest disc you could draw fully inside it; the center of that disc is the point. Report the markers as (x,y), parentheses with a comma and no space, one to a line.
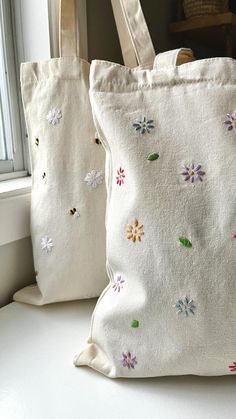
(11,136)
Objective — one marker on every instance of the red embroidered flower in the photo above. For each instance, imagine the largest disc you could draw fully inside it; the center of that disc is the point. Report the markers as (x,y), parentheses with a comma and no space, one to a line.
(233,367)
(120,177)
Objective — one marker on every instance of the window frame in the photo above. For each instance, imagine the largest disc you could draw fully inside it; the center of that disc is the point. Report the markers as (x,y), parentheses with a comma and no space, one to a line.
(15,165)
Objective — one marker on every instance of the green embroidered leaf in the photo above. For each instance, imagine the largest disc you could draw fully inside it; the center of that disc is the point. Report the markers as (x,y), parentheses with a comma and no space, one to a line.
(153,156)
(185,242)
(135,323)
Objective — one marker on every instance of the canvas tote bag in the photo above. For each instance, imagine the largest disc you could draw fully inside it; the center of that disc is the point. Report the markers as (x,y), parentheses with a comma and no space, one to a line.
(170,139)
(68,192)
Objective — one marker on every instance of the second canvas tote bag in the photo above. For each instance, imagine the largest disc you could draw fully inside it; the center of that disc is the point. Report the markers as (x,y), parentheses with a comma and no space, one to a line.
(68,192)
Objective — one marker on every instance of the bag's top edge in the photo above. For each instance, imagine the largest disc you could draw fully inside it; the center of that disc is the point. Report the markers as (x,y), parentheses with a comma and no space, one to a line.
(63,68)
(107,76)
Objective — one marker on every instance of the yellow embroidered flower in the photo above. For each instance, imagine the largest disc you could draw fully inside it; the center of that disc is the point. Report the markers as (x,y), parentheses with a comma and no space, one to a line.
(135,231)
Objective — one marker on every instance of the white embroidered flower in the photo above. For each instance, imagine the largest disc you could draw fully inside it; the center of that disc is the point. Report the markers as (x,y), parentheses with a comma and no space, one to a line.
(94,179)
(47,244)
(54,116)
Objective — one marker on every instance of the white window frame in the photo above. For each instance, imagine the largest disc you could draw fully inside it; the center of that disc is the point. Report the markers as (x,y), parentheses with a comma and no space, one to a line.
(14,165)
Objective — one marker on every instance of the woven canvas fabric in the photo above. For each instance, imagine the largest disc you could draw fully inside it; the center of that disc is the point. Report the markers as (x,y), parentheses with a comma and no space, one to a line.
(170,140)
(68,192)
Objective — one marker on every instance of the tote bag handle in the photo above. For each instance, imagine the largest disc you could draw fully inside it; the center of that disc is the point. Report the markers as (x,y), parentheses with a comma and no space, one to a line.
(173,58)
(69,40)
(136,44)
(135,40)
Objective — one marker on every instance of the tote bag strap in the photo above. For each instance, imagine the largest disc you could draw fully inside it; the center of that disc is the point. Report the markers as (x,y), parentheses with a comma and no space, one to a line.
(70,42)
(136,44)
(173,58)
(135,40)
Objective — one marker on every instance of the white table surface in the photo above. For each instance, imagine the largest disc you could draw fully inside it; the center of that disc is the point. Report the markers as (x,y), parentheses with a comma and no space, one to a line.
(38,379)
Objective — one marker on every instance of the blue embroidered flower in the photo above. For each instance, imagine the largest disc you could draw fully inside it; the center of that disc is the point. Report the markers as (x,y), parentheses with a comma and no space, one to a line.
(185,306)
(144,126)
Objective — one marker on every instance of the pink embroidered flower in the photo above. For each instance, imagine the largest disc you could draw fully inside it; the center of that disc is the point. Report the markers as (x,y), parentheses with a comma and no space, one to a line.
(192,173)
(118,283)
(234,236)
(120,176)
(231,121)
(129,360)
(233,367)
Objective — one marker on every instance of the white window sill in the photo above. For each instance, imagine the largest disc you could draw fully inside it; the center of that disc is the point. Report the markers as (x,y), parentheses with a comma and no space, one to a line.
(13,187)
(15,195)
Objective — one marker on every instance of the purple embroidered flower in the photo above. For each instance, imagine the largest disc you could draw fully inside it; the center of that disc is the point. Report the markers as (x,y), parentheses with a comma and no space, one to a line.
(231,121)
(192,173)
(117,283)
(129,360)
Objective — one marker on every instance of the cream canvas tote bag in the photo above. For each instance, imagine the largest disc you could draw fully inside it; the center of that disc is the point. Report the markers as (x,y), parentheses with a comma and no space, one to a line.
(170,139)
(68,192)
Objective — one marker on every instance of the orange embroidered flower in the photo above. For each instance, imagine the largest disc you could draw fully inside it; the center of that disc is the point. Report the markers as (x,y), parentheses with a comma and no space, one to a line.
(135,231)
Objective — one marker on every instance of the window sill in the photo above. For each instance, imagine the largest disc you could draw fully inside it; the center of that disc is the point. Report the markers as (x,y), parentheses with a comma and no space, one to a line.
(15,195)
(13,187)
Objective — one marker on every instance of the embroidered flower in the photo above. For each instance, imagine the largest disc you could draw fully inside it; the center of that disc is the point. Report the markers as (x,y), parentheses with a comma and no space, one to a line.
(128,360)
(192,173)
(54,116)
(47,244)
(93,179)
(233,367)
(144,126)
(118,283)
(234,236)
(231,121)
(185,306)
(120,176)
(135,231)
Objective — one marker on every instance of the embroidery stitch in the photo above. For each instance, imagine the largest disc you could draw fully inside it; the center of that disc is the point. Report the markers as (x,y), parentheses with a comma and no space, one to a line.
(192,173)
(153,156)
(232,367)
(144,126)
(128,360)
(93,179)
(135,231)
(120,177)
(44,178)
(185,306)
(47,244)
(54,116)
(135,324)
(118,283)
(73,211)
(36,141)
(230,121)
(185,242)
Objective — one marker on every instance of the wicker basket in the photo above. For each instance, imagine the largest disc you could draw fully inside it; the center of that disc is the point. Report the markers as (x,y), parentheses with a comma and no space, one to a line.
(193,8)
